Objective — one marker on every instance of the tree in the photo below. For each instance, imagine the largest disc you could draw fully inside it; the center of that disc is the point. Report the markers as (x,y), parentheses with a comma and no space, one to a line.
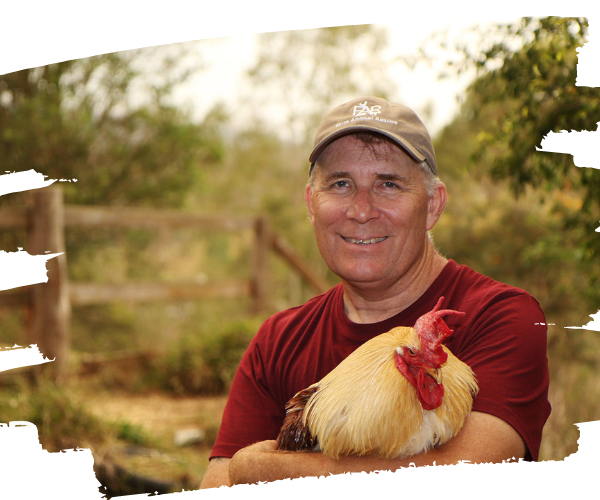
(304,73)
(524,89)
(103,122)
(536,86)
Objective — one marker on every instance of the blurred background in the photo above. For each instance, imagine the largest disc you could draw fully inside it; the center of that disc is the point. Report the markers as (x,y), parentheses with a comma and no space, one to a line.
(222,129)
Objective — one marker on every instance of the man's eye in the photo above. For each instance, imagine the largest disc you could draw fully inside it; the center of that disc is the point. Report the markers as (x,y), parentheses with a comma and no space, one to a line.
(390,184)
(341,184)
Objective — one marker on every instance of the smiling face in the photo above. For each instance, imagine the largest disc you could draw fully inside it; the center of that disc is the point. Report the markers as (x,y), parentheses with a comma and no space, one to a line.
(371,212)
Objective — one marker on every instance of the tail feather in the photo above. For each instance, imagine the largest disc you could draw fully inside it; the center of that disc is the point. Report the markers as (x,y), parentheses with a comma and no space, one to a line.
(295,434)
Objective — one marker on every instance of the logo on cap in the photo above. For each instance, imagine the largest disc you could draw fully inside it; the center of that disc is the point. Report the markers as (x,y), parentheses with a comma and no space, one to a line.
(363,110)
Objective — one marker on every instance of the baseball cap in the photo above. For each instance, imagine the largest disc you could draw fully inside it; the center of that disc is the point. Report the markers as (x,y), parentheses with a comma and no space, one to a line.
(374,114)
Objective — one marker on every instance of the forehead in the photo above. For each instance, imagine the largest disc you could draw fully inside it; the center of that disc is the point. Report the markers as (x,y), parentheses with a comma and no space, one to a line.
(349,150)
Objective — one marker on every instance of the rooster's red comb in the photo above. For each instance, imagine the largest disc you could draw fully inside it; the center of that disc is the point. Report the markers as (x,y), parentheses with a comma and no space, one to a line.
(431,327)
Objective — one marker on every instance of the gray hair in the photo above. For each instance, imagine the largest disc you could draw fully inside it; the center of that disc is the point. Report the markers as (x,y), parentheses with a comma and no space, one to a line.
(432,181)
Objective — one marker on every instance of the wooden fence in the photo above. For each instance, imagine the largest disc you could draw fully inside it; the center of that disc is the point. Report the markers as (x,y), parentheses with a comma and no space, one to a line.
(48,305)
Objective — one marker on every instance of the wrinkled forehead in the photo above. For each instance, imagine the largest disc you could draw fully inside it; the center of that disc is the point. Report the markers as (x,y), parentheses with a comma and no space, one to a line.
(368,145)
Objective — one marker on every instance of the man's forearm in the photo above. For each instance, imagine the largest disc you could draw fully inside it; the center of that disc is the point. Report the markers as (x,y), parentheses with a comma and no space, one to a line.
(247,468)
(217,473)
(484,438)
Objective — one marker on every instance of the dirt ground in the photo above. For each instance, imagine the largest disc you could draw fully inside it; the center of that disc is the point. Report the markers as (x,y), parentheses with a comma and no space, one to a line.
(160,417)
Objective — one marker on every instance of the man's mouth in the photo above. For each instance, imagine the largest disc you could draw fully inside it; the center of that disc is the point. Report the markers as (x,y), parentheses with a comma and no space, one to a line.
(364,242)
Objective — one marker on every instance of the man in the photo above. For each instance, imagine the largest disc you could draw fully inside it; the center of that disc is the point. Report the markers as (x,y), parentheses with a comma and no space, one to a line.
(373,196)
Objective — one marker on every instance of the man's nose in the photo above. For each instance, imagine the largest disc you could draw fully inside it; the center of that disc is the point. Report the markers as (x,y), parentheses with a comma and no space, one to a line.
(363,206)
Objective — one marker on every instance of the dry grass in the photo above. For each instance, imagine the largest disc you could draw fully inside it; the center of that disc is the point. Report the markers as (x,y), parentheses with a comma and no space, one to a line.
(130,435)
(156,417)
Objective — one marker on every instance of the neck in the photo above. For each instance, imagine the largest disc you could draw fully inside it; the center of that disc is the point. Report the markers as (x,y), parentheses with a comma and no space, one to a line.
(371,304)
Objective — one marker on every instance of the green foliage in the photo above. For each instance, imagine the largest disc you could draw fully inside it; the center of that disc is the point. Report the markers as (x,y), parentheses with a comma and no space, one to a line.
(526,89)
(541,239)
(81,120)
(537,86)
(539,83)
(132,433)
(205,359)
(305,72)
(265,175)
(526,217)
(108,122)
(116,321)
(62,422)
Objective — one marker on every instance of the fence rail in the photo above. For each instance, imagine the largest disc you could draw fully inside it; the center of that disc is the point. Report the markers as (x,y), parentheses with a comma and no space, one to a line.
(48,305)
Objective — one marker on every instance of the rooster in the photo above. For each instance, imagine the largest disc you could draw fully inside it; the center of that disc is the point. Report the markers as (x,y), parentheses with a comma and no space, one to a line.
(398,394)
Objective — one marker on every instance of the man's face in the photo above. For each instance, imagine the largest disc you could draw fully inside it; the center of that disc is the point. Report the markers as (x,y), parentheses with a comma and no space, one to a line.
(371,212)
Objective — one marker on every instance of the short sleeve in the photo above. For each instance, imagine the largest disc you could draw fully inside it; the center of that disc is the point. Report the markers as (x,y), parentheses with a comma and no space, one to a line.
(251,413)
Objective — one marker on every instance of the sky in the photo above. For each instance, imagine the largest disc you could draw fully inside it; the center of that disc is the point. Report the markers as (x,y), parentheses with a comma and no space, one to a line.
(227,58)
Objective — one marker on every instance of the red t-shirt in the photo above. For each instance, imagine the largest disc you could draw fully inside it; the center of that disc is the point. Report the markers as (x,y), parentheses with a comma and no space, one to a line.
(502,338)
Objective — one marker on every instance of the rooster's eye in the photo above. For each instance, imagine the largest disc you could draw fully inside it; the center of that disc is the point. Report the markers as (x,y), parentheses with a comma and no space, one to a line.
(410,351)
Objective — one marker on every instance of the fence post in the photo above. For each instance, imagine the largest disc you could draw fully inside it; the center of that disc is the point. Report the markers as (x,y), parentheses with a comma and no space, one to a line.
(260,278)
(49,313)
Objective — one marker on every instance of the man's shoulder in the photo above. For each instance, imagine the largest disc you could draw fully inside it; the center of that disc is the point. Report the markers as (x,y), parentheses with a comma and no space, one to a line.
(464,279)
(487,300)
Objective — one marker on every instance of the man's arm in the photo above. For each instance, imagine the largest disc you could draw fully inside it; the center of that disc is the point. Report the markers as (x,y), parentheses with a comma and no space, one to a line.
(217,473)
(483,439)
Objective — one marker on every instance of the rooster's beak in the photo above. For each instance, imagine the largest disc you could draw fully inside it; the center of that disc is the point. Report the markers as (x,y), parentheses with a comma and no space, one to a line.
(435,373)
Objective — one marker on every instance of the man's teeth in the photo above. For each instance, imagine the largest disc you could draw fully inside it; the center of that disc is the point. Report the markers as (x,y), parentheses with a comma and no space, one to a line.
(365,242)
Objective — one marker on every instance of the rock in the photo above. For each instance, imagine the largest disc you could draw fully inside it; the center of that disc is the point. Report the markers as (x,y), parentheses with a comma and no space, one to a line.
(189,436)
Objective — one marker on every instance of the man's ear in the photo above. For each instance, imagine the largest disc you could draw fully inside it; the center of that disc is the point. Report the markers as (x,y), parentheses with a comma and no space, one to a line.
(309,203)
(437,203)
